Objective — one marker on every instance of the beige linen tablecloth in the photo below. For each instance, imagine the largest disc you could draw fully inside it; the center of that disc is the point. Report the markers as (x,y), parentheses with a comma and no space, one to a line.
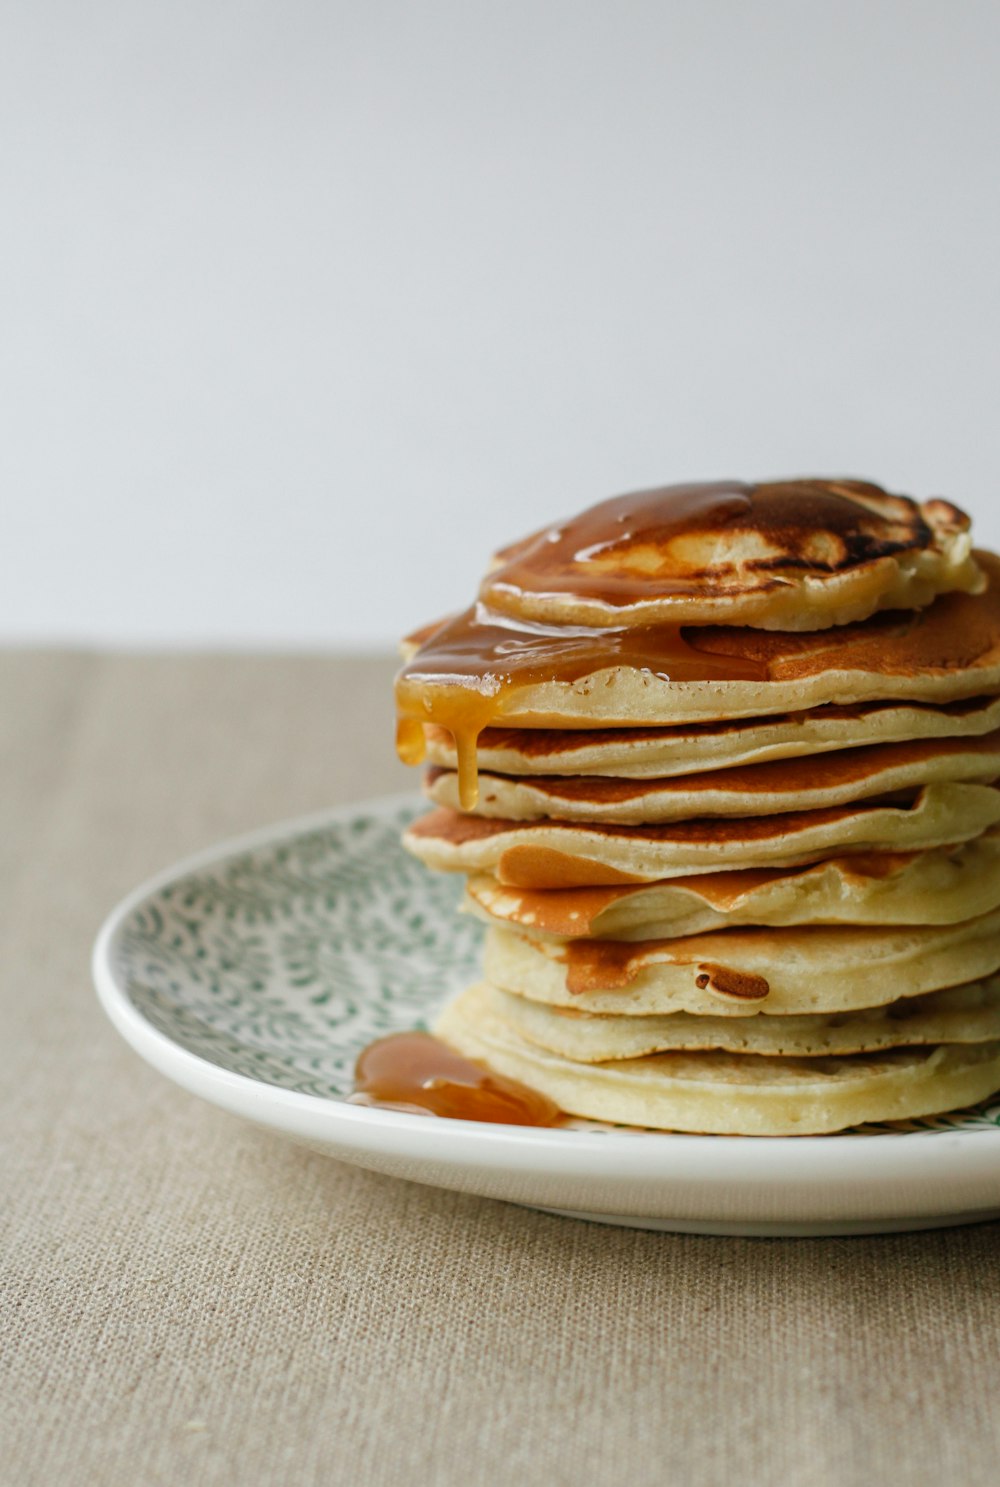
(187,1299)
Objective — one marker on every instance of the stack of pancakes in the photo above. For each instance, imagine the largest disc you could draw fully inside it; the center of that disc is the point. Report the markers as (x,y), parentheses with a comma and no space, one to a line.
(719,764)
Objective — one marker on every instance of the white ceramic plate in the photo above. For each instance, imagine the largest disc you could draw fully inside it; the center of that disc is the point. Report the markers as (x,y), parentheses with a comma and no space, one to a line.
(253,975)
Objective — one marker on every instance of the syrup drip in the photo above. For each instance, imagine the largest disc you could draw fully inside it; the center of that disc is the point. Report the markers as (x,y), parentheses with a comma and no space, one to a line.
(468,672)
(679,540)
(418,1073)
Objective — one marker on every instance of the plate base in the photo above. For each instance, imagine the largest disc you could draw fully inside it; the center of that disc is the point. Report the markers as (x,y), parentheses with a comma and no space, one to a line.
(254,975)
(809,1229)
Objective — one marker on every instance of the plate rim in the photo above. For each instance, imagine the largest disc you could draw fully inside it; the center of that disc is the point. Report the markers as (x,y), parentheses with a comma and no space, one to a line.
(708,1160)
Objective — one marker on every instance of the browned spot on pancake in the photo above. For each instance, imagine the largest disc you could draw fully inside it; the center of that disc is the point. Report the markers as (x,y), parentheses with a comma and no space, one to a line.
(875,864)
(723,890)
(724,981)
(446,825)
(528,866)
(727,829)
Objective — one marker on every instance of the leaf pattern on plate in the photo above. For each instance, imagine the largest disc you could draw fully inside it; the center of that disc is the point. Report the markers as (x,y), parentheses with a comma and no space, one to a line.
(283,962)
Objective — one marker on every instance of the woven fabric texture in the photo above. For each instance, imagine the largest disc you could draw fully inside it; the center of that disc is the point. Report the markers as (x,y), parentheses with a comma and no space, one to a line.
(185,1298)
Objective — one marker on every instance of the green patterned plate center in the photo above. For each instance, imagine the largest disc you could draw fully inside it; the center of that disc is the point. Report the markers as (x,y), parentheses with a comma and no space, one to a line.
(280,962)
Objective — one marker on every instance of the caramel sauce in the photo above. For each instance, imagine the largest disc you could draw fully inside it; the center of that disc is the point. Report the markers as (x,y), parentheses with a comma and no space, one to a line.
(572,912)
(468,670)
(724,981)
(672,539)
(583,556)
(530,866)
(611,965)
(600,965)
(417,1073)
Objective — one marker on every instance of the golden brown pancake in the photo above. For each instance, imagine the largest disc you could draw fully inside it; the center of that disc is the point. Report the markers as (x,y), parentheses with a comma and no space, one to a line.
(583,622)
(730,1093)
(738,831)
(641,753)
(943,885)
(746,972)
(960,1014)
(792,555)
(478,671)
(551,677)
(753,790)
(558,854)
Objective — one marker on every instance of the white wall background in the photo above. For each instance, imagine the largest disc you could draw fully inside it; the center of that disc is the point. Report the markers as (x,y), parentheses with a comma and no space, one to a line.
(305,304)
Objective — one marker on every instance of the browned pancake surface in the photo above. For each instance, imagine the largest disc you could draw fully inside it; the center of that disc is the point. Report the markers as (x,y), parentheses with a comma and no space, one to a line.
(539,743)
(722,540)
(845,768)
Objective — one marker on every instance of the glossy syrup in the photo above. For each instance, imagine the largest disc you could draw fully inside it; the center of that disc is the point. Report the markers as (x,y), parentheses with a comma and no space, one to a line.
(672,540)
(622,549)
(468,672)
(418,1073)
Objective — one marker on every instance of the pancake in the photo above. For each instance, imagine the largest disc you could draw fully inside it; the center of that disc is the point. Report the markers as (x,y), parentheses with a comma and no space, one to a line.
(746,972)
(556,854)
(960,1014)
(737,834)
(731,1094)
(792,555)
(656,752)
(942,885)
(480,670)
(753,790)
(946,652)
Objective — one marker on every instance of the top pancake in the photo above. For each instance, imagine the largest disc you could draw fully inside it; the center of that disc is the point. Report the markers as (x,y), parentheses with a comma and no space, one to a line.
(784,555)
